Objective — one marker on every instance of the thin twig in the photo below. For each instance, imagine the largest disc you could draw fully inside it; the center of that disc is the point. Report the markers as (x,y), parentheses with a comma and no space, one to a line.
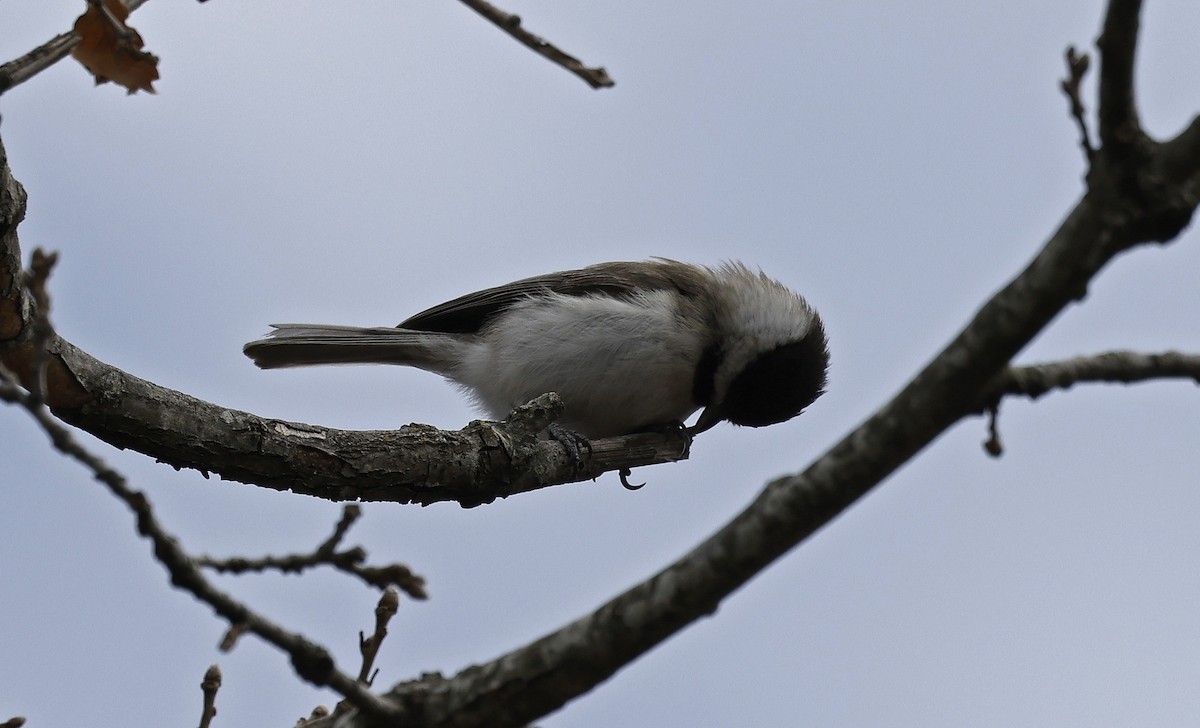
(349,561)
(231,636)
(118,27)
(1077,66)
(511,24)
(388,605)
(992,446)
(209,686)
(40,267)
(1113,367)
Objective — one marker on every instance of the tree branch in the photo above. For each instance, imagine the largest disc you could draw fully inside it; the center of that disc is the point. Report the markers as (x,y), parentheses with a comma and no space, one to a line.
(311,661)
(1119,124)
(209,687)
(1114,367)
(1077,66)
(511,24)
(349,561)
(415,464)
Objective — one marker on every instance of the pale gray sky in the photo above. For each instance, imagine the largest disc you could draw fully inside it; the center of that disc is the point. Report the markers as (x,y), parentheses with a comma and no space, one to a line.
(357,162)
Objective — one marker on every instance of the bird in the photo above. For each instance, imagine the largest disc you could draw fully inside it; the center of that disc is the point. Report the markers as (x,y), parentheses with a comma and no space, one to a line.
(628,346)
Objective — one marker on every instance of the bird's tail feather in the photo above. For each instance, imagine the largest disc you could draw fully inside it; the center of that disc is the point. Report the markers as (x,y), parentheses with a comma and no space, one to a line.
(297,345)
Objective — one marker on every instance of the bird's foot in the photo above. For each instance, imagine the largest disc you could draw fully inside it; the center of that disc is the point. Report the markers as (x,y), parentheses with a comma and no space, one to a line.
(571,440)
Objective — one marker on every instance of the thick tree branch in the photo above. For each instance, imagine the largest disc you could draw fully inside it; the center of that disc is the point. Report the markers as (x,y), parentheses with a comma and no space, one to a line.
(511,24)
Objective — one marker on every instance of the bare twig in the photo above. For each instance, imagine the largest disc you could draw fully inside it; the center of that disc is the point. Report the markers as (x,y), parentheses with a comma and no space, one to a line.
(349,561)
(41,265)
(231,636)
(209,686)
(1113,367)
(511,24)
(992,446)
(389,604)
(1077,66)
(117,26)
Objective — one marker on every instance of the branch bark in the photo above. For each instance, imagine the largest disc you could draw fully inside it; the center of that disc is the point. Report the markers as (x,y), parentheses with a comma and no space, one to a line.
(1119,125)
(1114,367)
(415,464)
(595,77)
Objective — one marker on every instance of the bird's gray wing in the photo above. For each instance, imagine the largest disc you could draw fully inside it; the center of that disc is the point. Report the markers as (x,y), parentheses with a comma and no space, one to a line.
(467,314)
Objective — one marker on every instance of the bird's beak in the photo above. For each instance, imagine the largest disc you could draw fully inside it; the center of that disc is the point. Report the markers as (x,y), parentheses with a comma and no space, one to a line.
(709,417)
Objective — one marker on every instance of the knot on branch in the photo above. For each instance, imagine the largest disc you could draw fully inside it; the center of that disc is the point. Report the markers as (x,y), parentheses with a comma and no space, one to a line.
(313,663)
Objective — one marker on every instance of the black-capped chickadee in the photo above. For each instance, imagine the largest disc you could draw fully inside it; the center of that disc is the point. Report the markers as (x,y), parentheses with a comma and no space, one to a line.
(627,346)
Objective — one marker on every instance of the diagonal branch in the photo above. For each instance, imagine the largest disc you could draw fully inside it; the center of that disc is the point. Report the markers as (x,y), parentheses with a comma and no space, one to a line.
(511,24)
(1119,211)
(539,678)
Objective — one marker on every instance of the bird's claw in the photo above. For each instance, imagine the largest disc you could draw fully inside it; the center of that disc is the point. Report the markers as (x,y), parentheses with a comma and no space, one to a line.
(624,474)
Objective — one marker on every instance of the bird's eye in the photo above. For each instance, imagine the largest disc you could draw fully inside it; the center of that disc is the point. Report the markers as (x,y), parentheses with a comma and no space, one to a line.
(779,384)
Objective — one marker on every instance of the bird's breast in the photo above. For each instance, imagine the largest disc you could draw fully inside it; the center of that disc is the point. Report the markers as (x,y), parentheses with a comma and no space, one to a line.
(619,364)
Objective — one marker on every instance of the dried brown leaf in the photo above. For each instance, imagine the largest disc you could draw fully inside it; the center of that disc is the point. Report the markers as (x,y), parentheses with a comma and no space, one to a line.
(111,50)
